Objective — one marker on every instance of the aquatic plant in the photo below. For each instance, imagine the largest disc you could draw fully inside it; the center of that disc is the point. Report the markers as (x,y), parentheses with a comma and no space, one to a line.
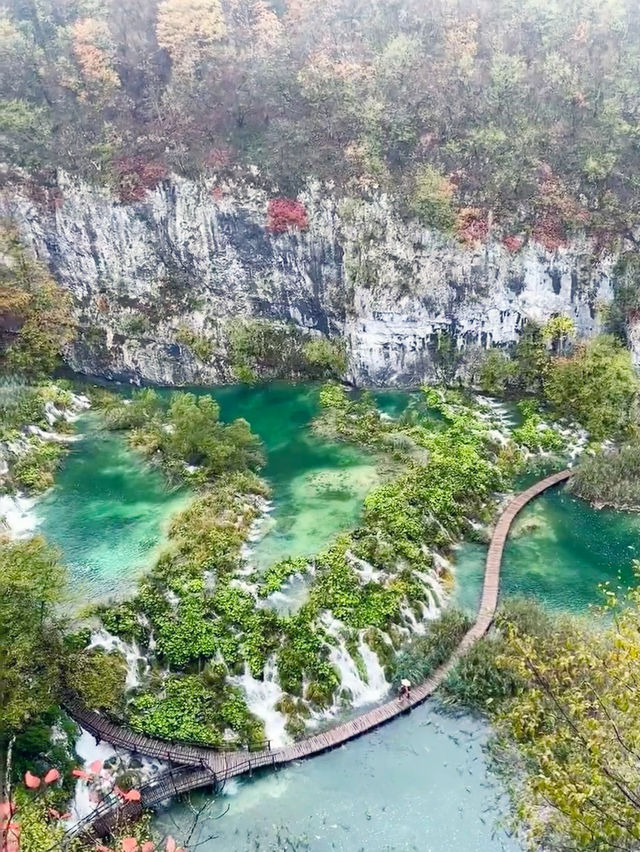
(609,477)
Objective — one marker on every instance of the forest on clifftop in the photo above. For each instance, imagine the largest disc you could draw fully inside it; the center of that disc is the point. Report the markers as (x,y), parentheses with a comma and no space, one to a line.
(519,113)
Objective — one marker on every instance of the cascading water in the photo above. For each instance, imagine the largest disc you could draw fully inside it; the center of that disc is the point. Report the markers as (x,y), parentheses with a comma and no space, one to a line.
(18,515)
(262,697)
(136,661)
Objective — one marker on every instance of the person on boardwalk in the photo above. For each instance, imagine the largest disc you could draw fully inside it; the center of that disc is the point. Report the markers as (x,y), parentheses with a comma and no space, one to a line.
(405,689)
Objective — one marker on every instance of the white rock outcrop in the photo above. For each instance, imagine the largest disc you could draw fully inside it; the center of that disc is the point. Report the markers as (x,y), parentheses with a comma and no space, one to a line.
(195,254)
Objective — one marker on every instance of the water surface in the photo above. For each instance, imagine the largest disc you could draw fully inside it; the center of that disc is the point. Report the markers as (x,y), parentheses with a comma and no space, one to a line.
(108,513)
(419,783)
(559,550)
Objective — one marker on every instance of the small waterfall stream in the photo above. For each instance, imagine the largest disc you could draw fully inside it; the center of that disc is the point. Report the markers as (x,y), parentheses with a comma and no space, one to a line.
(262,697)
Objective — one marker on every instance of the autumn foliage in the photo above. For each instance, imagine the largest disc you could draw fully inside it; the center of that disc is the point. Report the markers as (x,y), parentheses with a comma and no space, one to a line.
(472,225)
(135,176)
(286,214)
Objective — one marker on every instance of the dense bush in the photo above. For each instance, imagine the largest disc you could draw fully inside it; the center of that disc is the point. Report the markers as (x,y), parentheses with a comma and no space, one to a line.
(422,656)
(98,677)
(597,387)
(261,348)
(610,477)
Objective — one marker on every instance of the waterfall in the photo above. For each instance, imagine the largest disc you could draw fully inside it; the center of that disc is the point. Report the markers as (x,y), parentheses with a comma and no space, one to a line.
(368,690)
(88,750)
(131,653)
(18,514)
(262,697)
(87,795)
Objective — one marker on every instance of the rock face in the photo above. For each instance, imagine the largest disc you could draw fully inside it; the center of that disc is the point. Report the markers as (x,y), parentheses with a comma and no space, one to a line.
(149,279)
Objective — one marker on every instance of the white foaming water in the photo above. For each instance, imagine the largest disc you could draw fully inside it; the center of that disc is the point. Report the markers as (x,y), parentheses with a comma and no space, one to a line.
(262,697)
(19,515)
(368,691)
(88,749)
(87,795)
(131,653)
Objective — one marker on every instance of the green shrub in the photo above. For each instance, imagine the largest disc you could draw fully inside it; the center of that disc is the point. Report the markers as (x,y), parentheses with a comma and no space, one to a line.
(422,656)
(610,477)
(34,469)
(98,677)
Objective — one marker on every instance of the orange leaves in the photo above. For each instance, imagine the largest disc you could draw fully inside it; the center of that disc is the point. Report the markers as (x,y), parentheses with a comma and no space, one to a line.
(92,48)
(187,29)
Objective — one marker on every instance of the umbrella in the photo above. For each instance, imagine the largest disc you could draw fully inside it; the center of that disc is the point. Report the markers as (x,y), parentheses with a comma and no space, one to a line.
(405,682)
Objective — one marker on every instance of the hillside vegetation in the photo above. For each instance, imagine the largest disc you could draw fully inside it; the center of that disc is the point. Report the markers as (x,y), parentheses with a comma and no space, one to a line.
(519,114)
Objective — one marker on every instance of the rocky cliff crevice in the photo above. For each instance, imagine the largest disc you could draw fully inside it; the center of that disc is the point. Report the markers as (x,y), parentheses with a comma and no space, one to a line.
(194,255)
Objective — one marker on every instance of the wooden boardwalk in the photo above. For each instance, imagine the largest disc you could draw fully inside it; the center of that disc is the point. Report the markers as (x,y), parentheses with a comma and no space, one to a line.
(200,766)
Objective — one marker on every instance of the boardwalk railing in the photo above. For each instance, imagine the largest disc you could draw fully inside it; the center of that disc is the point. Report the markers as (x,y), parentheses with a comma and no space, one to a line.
(207,764)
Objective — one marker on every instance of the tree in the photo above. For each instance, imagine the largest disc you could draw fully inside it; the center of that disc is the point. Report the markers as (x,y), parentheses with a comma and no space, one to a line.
(30,630)
(189,29)
(576,722)
(432,198)
(597,386)
(35,313)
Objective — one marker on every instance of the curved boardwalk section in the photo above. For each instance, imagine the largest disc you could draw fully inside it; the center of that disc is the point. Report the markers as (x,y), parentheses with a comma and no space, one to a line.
(201,766)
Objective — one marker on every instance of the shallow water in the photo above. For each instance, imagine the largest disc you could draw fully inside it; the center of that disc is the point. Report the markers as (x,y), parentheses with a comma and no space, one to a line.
(419,783)
(559,550)
(108,513)
(317,486)
(109,510)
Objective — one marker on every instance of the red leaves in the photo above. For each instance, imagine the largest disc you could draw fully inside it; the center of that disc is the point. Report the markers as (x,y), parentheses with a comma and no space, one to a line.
(51,777)
(512,243)
(549,232)
(31,781)
(135,176)
(284,214)
(472,225)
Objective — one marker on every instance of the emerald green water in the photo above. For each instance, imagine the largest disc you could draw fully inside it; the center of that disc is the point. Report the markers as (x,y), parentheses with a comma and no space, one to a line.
(421,783)
(559,550)
(107,513)
(109,510)
(317,486)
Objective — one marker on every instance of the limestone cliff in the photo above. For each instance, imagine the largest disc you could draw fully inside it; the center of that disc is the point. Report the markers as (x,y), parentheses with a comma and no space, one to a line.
(148,277)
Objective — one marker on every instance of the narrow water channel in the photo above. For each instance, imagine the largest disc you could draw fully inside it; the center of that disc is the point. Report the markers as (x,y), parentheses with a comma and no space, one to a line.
(559,551)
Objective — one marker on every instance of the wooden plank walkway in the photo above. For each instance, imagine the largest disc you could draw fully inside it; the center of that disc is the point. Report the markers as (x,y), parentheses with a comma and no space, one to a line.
(203,767)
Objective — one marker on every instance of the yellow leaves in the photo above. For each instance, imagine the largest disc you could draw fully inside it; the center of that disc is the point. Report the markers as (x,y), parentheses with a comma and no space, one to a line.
(189,29)
(268,32)
(92,49)
(460,46)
